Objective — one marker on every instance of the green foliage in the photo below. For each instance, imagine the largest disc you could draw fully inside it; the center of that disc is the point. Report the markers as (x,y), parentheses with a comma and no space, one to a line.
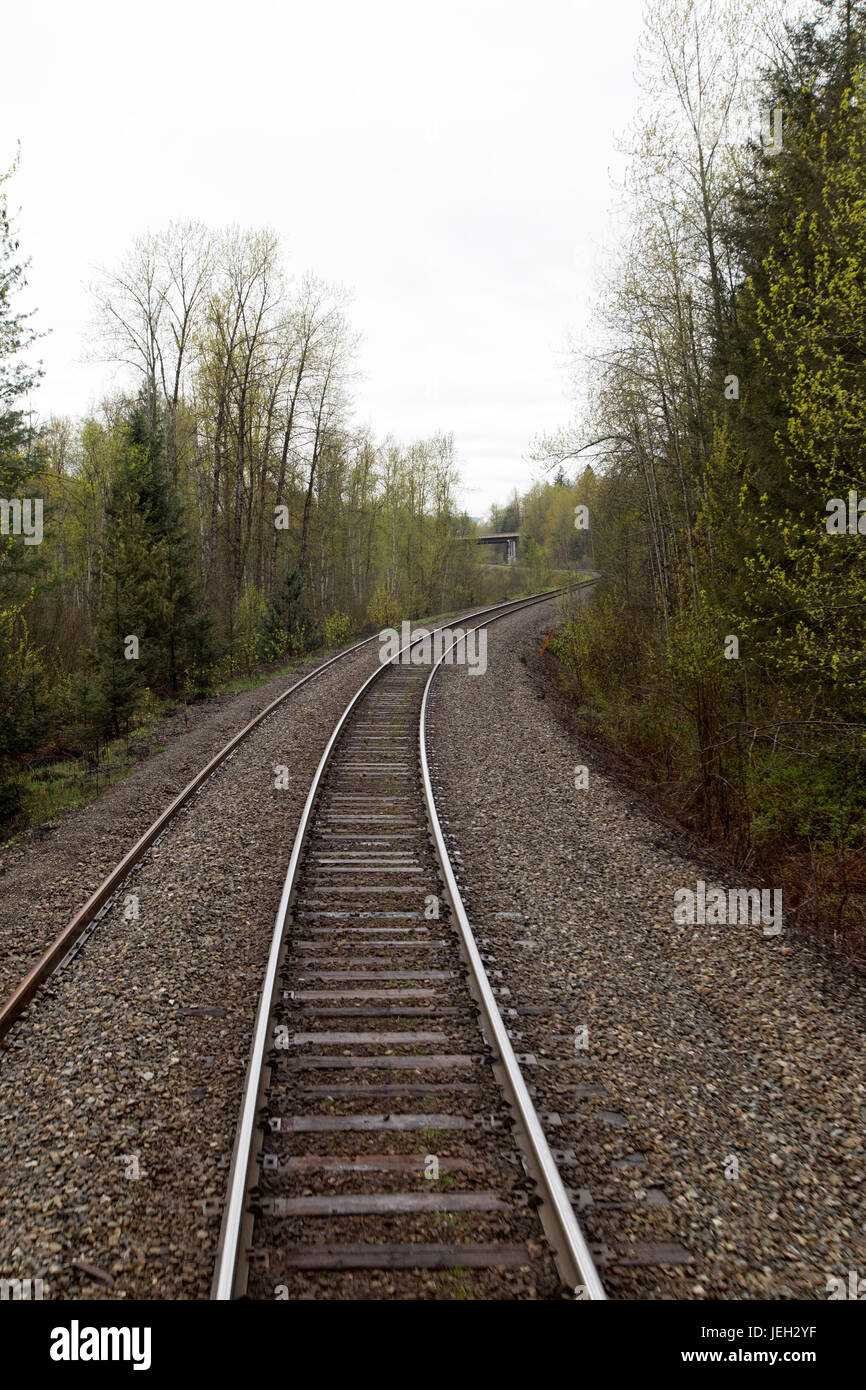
(23,699)
(23,703)
(536,564)
(284,626)
(820,802)
(339,629)
(246,633)
(804,590)
(383,609)
(148,588)
(17,377)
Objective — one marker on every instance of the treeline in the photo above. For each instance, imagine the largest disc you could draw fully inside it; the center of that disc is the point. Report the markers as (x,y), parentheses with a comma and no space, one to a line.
(726,433)
(223,513)
(553,541)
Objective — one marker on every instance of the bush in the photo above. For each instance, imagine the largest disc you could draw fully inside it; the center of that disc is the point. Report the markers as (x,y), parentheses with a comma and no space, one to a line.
(536,564)
(245,644)
(339,628)
(383,609)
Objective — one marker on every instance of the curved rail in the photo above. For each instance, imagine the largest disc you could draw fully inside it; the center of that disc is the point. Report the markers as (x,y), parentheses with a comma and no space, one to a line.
(55,954)
(570,1249)
(230,1270)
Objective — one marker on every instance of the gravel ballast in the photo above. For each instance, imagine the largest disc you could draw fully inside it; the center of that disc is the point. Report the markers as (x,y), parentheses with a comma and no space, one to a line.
(706,1082)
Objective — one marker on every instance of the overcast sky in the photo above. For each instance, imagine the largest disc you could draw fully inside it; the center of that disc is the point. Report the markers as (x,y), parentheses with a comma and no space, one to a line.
(449,163)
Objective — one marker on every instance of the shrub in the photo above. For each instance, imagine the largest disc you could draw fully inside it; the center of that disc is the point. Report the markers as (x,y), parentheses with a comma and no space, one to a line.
(383,609)
(246,629)
(339,627)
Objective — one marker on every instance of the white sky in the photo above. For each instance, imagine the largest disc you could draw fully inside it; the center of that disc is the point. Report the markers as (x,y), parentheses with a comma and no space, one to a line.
(449,163)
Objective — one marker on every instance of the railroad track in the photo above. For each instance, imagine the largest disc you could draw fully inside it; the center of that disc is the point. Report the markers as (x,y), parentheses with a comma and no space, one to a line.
(387,1143)
(69,942)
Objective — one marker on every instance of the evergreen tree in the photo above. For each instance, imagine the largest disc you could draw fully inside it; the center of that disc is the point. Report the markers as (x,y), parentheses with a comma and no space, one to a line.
(285,624)
(184,638)
(797,343)
(149,592)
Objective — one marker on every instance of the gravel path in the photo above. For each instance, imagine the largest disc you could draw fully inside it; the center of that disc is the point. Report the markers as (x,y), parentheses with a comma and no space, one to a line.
(119,1094)
(711,1115)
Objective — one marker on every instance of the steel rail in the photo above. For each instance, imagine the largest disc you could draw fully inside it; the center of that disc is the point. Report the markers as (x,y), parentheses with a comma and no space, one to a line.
(56,953)
(575,1262)
(231,1263)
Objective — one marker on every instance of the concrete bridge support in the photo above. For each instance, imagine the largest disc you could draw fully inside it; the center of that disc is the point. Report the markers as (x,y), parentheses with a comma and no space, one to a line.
(507,538)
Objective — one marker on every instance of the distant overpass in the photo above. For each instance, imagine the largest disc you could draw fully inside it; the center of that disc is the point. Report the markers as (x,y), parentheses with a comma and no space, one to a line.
(509,538)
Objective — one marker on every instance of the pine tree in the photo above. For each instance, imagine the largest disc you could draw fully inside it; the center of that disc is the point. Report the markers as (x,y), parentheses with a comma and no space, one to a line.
(285,624)
(133,577)
(149,591)
(184,638)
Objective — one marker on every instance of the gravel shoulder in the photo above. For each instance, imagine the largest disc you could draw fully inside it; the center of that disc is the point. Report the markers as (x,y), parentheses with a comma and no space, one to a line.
(704,1085)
